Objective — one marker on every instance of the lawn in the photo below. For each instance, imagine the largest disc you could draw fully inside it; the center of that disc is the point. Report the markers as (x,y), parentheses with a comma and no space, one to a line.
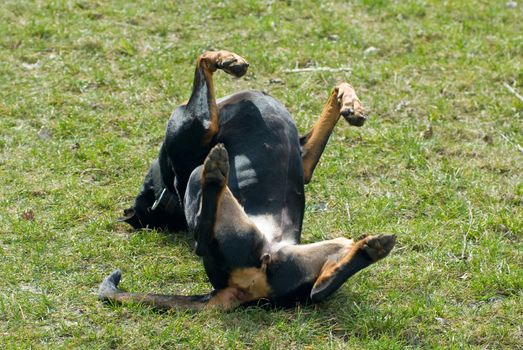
(86,88)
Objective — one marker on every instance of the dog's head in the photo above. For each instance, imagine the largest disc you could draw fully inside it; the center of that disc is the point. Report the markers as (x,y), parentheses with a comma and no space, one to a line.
(155,206)
(147,213)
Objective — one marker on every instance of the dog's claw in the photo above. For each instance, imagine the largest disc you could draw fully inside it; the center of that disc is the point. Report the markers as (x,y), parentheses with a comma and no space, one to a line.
(234,67)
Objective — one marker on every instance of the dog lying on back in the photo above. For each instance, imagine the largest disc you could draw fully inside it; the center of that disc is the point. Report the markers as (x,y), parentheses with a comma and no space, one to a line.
(232,172)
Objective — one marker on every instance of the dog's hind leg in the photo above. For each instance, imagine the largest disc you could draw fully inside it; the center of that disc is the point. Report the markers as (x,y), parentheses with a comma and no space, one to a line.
(342,102)
(211,207)
(338,268)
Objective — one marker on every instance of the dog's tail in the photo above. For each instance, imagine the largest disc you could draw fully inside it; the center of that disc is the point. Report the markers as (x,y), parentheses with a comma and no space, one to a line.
(109,292)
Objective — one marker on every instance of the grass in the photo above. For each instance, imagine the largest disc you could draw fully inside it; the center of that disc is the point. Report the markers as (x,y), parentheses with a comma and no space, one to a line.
(86,88)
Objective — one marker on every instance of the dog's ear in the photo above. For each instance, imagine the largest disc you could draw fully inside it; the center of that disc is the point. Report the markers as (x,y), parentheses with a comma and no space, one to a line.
(128,215)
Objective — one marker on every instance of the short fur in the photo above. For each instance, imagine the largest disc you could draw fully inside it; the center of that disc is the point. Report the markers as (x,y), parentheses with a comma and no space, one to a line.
(232,171)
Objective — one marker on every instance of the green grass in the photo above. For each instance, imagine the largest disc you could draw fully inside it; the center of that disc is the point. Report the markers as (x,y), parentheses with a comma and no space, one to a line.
(86,88)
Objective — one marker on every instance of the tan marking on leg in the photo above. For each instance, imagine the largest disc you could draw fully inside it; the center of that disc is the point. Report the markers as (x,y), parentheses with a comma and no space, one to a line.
(318,136)
(343,99)
(330,268)
(225,299)
(350,103)
(327,271)
(376,247)
(208,69)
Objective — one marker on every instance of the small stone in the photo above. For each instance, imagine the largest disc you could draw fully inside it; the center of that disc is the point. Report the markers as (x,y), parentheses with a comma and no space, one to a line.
(31,66)
(333,37)
(512,4)
(427,133)
(401,105)
(371,51)
(319,207)
(441,320)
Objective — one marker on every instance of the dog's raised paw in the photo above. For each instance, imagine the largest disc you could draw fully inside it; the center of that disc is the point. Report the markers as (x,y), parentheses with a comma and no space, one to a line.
(232,63)
(216,166)
(351,108)
(378,247)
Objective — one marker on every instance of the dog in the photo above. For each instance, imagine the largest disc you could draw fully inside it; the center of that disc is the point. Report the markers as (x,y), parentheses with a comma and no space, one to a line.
(232,172)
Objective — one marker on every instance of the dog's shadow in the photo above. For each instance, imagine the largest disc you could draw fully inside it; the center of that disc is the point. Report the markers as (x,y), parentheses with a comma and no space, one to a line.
(344,315)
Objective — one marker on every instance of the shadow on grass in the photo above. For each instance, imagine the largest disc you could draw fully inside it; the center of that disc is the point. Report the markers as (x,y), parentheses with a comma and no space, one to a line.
(345,315)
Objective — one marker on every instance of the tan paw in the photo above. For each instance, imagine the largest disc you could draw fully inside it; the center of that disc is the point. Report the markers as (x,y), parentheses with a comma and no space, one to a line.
(351,108)
(227,61)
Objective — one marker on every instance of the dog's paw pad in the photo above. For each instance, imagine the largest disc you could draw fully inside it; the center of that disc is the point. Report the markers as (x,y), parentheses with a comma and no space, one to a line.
(378,247)
(216,165)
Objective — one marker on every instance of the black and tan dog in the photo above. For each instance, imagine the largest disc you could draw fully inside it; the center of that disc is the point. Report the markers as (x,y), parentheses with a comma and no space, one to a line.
(232,171)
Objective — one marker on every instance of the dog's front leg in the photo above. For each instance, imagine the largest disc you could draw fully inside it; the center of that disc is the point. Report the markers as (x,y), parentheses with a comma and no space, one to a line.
(213,182)
(195,124)
(202,104)
(192,127)
(342,102)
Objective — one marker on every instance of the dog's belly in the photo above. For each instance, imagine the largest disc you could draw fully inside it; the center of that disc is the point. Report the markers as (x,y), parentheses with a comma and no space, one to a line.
(266,172)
